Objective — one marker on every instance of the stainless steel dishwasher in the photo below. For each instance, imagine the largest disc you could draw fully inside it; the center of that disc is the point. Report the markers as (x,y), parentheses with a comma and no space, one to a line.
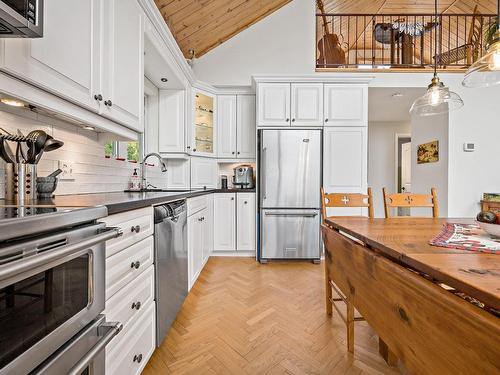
(171,263)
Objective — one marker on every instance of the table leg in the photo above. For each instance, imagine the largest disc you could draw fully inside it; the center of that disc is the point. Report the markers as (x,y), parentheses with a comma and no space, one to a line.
(386,353)
(328,290)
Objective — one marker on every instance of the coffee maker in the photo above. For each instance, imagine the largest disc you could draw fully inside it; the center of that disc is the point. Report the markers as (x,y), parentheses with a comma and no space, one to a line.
(243,177)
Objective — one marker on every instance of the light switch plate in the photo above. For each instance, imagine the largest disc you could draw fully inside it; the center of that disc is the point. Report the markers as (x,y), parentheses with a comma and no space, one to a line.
(67,170)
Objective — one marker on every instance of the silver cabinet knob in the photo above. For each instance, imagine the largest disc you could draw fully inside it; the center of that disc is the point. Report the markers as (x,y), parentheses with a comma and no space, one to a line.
(137,358)
(136,228)
(98,97)
(108,103)
(326,120)
(135,265)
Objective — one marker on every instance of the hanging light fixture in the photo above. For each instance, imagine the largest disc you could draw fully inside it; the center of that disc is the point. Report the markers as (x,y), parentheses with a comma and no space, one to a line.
(486,71)
(438,99)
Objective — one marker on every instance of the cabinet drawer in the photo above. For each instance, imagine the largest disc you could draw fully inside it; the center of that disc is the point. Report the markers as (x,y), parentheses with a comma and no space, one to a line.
(130,301)
(196,204)
(129,355)
(119,268)
(136,225)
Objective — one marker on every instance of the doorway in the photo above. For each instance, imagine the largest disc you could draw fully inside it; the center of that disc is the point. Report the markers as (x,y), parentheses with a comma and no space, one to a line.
(403,167)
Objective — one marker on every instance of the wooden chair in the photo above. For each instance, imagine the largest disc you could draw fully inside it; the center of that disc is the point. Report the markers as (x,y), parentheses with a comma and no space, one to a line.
(337,200)
(471,49)
(407,200)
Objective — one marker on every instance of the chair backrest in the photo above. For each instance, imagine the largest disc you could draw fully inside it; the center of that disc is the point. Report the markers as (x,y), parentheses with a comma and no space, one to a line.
(410,200)
(346,200)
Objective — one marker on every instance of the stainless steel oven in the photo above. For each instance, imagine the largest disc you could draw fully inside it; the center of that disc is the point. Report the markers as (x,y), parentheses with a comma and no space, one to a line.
(21,18)
(51,288)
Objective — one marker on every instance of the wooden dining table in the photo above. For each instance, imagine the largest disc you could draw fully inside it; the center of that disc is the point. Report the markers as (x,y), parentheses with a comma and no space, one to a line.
(435,309)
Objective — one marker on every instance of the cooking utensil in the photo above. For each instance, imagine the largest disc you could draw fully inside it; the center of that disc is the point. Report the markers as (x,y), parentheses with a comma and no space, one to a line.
(3,152)
(51,144)
(8,150)
(23,147)
(39,137)
(56,173)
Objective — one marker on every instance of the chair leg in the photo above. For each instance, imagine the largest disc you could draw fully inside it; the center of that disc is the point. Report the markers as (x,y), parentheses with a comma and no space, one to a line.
(328,291)
(350,326)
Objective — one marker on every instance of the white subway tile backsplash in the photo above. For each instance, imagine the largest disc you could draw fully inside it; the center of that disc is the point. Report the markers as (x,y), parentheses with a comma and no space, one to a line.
(92,171)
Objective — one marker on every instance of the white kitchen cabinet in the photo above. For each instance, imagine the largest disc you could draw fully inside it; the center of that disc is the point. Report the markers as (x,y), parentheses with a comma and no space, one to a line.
(66,60)
(122,66)
(208,228)
(226,126)
(245,221)
(203,173)
(273,106)
(203,132)
(245,127)
(172,109)
(307,104)
(346,105)
(197,247)
(236,126)
(225,222)
(178,174)
(345,158)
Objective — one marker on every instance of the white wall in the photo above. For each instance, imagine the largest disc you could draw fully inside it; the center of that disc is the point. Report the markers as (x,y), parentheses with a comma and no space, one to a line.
(429,175)
(283,42)
(93,172)
(382,159)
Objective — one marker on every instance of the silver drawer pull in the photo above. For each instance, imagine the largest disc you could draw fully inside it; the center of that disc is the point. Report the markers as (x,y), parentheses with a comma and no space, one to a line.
(136,229)
(136,305)
(291,214)
(135,265)
(137,358)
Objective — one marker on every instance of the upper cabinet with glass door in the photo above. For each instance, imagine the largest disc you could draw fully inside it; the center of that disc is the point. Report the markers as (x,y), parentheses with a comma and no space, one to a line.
(203,130)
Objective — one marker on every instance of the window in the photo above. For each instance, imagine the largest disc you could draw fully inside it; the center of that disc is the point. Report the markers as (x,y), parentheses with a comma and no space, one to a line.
(123,150)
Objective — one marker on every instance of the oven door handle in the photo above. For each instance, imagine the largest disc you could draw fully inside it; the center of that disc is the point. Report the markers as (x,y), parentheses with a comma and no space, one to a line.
(110,329)
(27,264)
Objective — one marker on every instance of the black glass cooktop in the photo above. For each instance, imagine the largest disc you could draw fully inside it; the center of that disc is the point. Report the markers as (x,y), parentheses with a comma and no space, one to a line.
(13,211)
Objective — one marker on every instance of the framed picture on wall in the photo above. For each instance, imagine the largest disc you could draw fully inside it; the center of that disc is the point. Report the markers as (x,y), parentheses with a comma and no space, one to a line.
(428,152)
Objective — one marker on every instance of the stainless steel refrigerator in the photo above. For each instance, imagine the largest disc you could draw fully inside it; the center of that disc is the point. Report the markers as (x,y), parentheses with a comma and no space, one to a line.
(289,194)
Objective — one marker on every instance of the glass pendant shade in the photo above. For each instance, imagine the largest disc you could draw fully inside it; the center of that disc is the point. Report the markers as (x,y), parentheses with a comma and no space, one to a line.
(485,71)
(437,100)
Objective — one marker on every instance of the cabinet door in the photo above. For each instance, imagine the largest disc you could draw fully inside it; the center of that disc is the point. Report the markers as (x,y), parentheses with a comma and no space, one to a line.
(345,163)
(195,246)
(66,60)
(171,121)
(226,126)
(225,222)
(245,127)
(178,174)
(307,104)
(122,68)
(203,173)
(346,105)
(204,128)
(273,104)
(208,230)
(245,222)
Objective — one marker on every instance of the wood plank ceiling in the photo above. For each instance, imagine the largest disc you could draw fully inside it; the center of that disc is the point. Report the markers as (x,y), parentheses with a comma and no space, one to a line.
(201,25)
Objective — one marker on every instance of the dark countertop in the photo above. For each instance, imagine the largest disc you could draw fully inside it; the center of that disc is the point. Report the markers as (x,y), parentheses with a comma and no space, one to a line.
(125,201)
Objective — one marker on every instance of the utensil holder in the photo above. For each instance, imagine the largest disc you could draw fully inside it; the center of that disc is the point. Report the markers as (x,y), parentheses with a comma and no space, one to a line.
(20,182)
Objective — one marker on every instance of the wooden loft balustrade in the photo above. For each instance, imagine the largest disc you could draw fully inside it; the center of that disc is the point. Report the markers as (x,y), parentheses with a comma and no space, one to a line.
(402,41)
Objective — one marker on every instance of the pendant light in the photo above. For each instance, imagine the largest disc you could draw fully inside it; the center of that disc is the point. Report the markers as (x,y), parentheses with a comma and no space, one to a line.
(486,71)
(438,99)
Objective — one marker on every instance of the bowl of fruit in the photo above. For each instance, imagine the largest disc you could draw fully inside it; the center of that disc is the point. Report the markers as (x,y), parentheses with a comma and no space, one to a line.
(489,222)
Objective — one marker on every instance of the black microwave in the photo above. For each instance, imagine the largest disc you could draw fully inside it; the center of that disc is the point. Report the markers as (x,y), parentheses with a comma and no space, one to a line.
(21,18)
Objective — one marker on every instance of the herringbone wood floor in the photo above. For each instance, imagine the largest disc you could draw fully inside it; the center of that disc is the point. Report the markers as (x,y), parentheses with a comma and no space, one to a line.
(245,318)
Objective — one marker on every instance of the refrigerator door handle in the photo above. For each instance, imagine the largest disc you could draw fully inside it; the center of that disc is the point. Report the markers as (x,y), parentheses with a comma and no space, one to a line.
(292,214)
(264,159)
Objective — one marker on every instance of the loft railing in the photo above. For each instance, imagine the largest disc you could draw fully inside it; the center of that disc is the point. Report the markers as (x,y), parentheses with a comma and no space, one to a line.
(401,40)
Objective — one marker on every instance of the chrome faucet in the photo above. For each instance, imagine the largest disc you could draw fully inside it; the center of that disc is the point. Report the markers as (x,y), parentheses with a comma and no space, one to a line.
(163,167)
